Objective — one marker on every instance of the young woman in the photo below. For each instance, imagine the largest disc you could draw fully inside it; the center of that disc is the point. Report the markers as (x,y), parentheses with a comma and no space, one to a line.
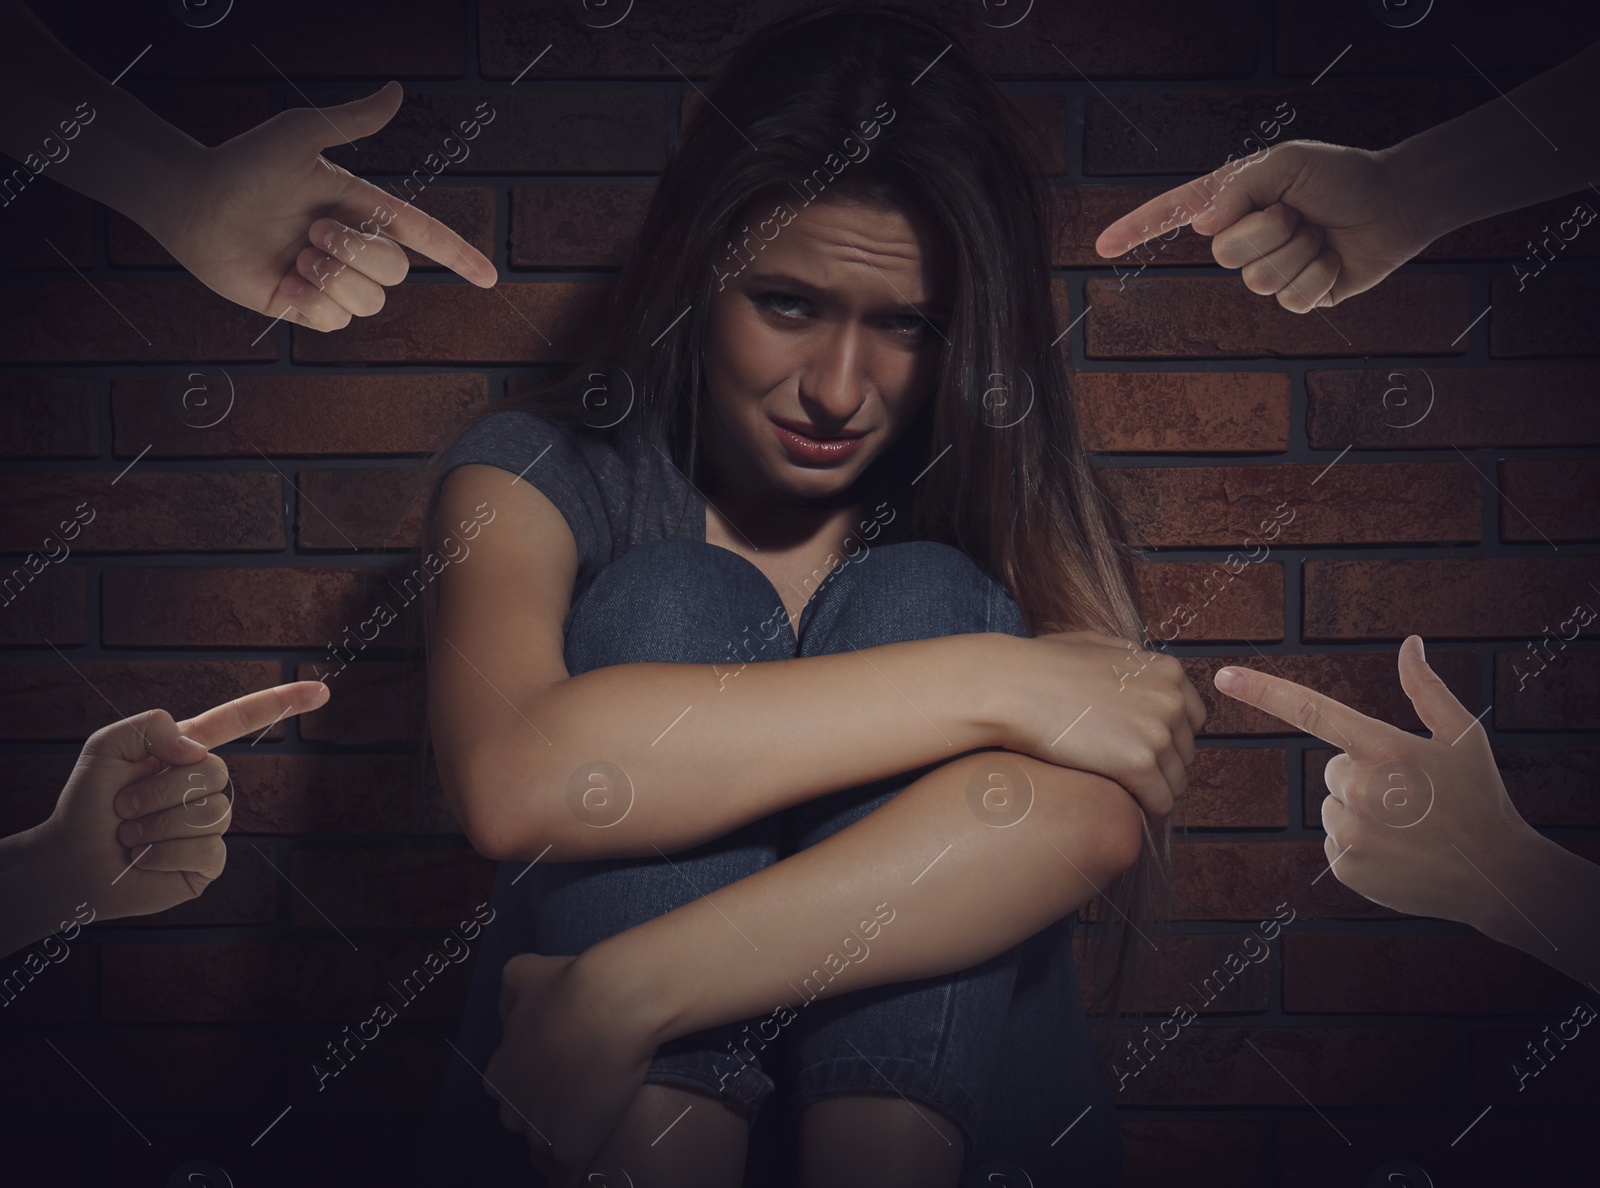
(793,624)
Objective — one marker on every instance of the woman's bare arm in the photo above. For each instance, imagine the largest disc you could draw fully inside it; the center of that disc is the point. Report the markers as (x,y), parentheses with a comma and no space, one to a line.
(638,759)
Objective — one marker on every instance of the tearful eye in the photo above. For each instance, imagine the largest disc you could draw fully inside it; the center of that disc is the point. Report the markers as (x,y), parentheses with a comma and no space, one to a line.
(772,300)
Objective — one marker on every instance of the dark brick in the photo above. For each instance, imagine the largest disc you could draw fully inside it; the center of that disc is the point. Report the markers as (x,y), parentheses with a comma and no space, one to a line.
(1344,973)
(292,414)
(574,226)
(388,888)
(1333,1067)
(1234,412)
(360,508)
(1196,600)
(47,225)
(56,699)
(1347,503)
(1550,501)
(1563,695)
(1420,408)
(1364,681)
(528,131)
(55,416)
(1224,880)
(1214,1153)
(1553,315)
(372,702)
(51,606)
(148,512)
(1185,960)
(460,323)
(66,322)
(1235,788)
(1193,317)
(1169,132)
(1450,597)
(336,794)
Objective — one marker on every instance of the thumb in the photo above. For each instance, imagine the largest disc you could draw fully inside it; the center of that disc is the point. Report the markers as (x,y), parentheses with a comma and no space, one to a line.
(136,739)
(344,122)
(1438,708)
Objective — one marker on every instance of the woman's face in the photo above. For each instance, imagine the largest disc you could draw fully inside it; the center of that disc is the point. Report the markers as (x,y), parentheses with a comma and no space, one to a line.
(825,331)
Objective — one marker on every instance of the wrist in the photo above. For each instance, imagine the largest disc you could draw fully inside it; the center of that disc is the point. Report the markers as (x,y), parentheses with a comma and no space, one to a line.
(1418,192)
(633,993)
(979,696)
(1516,886)
(31,888)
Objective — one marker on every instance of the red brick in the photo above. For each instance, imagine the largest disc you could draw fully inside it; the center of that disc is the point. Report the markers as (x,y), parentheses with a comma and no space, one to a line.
(1552,315)
(1565,695)
(1145,412)
(1222,880)
(145,512)
(1347,973)
(1195,131)
(223,606)
(363,508)
(574,226)
(404,40)
(1419,408)
(1082,212)
(47,225)
(1477,596)
(291,414)
(1195,317)
(1215,1153)
(239,981)
(1548,785)
(51,606)
(1332,1067)
(66,322)
(1347,503)
(388,888)
(55,699)
(1045,119)
(336,794)
(466,210)
(459,323)
(1235,788)
(1550,501)
(372,702)
(1197,600)
(605,130)
(1515,51)
(1184,961)
(1365,681)
(56,416)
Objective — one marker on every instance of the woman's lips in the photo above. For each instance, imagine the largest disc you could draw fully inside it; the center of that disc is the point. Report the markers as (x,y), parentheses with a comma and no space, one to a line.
(816,449)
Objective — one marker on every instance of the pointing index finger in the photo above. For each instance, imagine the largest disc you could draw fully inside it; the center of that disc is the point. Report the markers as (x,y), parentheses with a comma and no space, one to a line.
(1305,709)
(423,233)
(253,712)
(1163,213)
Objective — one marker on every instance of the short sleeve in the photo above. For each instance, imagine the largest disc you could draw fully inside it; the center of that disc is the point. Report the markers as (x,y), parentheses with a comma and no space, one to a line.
(543,454)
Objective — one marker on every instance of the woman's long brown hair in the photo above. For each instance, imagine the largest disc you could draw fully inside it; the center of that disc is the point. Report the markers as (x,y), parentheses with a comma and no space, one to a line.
(1013,487)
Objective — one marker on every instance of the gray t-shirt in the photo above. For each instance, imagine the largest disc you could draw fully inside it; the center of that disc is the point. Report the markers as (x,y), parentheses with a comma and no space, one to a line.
(597,487)
(600,488)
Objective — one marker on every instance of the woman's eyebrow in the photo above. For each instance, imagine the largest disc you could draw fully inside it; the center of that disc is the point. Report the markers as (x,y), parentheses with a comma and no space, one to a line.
(806,289)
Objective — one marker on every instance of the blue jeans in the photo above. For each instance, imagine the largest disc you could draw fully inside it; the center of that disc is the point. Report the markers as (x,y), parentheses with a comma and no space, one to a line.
(1002,1047)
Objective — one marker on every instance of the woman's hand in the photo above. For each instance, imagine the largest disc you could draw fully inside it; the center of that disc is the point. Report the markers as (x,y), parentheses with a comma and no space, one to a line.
(1312,223)
(568,1065)
(1097,703)
(269,223)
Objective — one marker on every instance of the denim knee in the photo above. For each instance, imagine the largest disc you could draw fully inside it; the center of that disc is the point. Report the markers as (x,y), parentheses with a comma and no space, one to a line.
(917,589)
(678,601)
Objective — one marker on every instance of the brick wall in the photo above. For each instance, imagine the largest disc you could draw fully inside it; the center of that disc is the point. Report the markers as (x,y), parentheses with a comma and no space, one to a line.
(225,557)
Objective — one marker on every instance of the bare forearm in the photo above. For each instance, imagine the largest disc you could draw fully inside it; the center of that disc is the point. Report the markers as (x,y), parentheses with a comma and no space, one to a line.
(1539,141)
(926,884)
(640,758)
(59,117)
